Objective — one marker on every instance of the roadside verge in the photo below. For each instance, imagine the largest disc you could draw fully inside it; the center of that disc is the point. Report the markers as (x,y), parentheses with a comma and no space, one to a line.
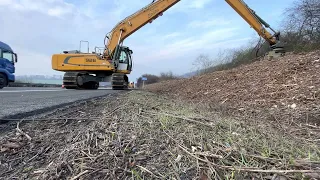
(148,136)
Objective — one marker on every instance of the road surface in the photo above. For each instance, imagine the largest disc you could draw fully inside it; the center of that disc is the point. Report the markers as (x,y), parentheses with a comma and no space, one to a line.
(17,101)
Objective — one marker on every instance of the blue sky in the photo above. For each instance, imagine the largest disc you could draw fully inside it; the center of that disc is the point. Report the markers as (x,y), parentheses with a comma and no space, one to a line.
(36,29)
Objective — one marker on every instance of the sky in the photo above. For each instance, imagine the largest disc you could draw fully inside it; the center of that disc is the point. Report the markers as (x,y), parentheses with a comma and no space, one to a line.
(36,29)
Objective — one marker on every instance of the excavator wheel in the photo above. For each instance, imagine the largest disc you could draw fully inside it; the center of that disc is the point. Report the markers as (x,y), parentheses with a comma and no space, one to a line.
(119,81)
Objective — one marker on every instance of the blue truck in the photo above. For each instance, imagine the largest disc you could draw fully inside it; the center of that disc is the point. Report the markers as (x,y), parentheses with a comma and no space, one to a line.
(7,61)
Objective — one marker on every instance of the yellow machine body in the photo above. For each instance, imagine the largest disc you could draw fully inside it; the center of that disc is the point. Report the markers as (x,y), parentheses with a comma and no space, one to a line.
(80,62)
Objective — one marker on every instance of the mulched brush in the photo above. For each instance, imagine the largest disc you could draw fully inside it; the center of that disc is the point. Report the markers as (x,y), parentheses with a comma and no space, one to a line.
(288,87)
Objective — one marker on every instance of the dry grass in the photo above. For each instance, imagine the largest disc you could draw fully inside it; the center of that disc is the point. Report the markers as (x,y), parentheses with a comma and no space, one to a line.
(146,136)
(227,148)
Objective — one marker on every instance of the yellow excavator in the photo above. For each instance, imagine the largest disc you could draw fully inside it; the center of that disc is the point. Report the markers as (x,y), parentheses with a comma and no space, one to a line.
(86,70)
(114,61)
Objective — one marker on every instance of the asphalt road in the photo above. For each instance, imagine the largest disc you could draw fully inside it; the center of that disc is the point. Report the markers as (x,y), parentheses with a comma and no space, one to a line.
(18,101)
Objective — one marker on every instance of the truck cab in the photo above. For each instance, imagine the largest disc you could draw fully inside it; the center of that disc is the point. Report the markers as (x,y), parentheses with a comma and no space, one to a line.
(7,64)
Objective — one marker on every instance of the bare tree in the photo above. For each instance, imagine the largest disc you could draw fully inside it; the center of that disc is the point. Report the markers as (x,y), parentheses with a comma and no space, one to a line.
(302,23)
(223,56)
(202,64)
(167,76)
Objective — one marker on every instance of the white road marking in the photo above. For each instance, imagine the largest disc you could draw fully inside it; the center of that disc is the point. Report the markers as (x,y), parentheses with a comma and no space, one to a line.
(44,90)
(39,90)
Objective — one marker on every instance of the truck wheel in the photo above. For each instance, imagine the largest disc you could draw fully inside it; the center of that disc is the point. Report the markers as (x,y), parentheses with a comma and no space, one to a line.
(3,81)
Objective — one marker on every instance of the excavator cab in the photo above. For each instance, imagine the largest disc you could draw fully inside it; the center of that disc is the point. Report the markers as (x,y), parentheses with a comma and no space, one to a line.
(123,59)
(123,65)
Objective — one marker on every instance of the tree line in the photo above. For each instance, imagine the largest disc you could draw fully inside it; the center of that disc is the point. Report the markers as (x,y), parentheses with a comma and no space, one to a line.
(164,76)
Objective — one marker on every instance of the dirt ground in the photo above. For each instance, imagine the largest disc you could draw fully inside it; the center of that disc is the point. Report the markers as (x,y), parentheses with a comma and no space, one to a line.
(142,135)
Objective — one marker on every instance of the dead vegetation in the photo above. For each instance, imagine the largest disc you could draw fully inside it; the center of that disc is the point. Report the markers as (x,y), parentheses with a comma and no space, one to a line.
(286,88)
(145,136)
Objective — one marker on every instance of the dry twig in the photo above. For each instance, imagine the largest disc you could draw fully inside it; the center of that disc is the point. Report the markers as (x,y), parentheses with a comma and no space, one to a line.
(246,169)
(23,133)
(145,169)
(79,175)
(180,117)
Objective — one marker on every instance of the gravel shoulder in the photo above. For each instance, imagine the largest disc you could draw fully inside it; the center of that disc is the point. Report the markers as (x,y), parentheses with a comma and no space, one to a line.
(141,135)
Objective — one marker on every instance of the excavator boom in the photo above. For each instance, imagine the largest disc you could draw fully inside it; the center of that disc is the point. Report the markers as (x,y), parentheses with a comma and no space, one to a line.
(134,22)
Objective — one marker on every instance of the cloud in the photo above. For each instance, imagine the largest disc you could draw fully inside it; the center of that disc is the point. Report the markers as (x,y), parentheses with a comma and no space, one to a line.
(40,66)
(5,2)
(209,23)
(56,8)
(195,4)
(172,35)
(185,45)
(188,7)
(204,39)
(198,4)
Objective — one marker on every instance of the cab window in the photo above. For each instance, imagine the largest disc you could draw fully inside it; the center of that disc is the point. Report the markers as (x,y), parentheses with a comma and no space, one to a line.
(7,55)
(123,57)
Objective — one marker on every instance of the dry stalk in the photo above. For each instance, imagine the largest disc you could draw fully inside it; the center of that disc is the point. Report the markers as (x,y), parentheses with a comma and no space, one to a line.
(247,169)
(79,175)
(180,117)
(23,133)
(145,169)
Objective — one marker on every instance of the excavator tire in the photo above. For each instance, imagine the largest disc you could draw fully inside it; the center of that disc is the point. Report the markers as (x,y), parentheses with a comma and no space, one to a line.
(119,81)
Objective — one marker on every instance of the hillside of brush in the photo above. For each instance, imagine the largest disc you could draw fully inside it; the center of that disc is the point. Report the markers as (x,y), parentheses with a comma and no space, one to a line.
(289,85)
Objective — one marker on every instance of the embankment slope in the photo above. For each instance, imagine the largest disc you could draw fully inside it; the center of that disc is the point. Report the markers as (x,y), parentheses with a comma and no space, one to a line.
(290,84)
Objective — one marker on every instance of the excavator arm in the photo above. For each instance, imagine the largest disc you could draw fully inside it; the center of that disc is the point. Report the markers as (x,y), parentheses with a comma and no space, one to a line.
(133,23)
(257,23)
